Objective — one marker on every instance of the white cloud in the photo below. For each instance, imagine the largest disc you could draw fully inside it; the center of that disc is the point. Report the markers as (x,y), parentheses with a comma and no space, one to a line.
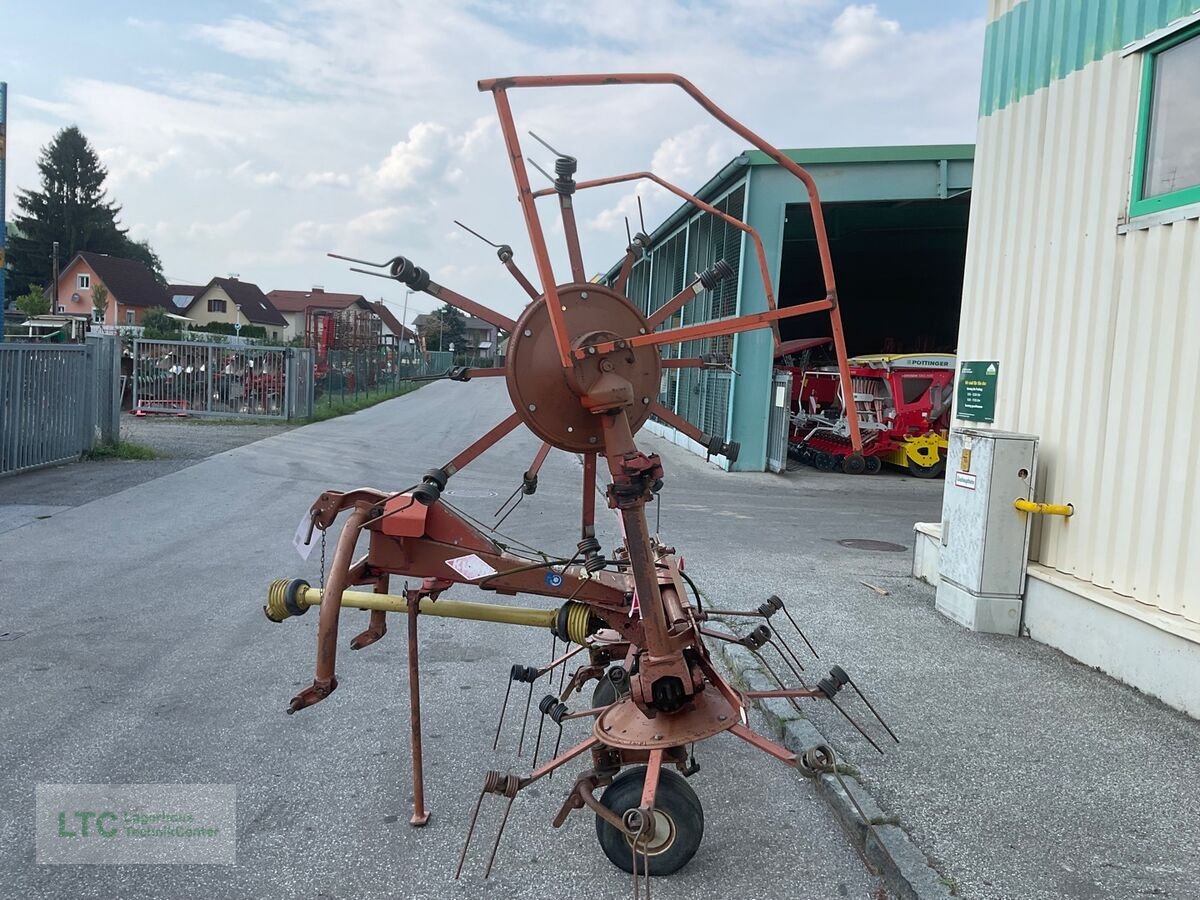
(315,95)
(857,32)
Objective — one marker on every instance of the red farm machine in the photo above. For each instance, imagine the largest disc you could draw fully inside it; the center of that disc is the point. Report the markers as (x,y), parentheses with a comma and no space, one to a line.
(902,403)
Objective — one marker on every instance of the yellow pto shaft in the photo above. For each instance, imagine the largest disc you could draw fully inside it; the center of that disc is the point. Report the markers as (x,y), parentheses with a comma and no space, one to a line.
(292,598)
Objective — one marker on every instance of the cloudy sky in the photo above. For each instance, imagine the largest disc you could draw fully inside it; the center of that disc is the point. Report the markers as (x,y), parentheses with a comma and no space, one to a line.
(251,137)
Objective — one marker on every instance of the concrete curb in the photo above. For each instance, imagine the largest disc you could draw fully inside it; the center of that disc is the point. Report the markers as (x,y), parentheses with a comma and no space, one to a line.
(886,847)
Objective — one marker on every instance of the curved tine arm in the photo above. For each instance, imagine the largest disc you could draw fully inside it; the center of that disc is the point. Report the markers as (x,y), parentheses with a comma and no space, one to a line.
(761,254)
(533,225)
(733,325)
(472,452)
(466,304)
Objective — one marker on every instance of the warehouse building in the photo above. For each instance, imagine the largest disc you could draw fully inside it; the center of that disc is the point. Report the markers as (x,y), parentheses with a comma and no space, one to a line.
(897,223)
(1082,287)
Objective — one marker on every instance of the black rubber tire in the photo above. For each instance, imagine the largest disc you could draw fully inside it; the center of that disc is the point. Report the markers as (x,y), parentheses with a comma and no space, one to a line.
(825,462)
(854,464)
(675,800)
(807,456)
(933,471)
(874,465)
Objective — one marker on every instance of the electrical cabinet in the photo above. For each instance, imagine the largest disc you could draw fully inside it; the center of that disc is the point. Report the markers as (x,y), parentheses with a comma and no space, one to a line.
(985,540)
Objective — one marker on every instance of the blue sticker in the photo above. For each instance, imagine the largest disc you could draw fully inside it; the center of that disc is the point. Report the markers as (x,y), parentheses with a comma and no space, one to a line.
(553,579)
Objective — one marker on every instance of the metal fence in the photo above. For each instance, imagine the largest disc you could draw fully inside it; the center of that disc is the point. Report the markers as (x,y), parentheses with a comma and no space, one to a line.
(780,421)
(211,379)
(48,403)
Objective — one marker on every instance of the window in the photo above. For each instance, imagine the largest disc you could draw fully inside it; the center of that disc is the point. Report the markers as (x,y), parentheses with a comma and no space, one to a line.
(61,309)
(1166,168)
(216,305)
(97,317)
(83,281)
(129,316)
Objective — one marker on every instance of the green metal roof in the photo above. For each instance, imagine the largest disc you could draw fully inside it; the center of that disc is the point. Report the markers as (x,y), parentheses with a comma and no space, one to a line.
(837,155)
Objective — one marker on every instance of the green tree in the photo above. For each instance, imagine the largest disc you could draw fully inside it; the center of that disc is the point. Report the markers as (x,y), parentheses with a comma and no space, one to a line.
(446,326)
(144,253)
(72,208)
(99,300)
(158,326)
(35,302)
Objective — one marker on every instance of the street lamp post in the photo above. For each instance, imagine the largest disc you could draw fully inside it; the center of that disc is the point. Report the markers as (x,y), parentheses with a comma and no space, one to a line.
(404,319)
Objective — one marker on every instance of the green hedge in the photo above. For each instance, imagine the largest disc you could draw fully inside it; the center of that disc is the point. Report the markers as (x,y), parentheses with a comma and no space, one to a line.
(248,331)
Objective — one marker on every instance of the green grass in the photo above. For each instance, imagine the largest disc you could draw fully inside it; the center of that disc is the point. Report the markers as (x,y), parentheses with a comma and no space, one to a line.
(122,450)
(323,411)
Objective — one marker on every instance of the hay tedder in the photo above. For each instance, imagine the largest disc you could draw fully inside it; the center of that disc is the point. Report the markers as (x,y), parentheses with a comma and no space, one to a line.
(583,371)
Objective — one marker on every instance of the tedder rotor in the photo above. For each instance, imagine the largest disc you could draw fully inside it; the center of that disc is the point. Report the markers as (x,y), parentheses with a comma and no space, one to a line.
(583,371)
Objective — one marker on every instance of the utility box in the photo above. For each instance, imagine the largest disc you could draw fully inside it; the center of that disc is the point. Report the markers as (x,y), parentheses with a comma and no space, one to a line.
(985,540)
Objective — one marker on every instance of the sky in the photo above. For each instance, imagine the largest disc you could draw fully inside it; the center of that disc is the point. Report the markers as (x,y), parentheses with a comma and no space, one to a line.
(253,137)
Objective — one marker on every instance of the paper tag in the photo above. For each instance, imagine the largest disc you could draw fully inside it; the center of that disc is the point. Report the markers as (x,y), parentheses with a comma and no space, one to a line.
(301,540)
(470,567)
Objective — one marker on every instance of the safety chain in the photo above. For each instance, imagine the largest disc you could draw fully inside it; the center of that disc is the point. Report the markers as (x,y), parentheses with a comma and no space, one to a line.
(322,560)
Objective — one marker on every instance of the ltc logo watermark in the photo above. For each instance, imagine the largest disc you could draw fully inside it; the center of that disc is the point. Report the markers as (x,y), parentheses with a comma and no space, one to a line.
(156,824)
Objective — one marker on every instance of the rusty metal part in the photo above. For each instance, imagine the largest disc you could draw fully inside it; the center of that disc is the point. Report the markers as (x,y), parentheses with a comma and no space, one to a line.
(549,402)
(583,373)
(420,816)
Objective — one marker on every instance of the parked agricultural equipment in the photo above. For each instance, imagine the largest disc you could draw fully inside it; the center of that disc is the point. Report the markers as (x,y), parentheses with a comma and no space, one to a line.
(902,404)
(583,370)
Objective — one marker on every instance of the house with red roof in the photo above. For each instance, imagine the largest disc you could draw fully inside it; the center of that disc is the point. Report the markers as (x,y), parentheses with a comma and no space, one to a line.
(295,306)
(132,289)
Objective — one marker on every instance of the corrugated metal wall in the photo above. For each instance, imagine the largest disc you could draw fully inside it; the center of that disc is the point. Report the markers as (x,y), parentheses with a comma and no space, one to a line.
(1098,333)
(700,396)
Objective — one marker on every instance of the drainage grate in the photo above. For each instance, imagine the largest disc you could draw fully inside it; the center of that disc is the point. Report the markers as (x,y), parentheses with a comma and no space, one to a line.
(864,544)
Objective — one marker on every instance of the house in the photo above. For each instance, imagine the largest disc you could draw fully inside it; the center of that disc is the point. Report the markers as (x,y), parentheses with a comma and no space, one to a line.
(233,301)
(132,289)
(297,307)
(395,332)
(481,337)
(182,296)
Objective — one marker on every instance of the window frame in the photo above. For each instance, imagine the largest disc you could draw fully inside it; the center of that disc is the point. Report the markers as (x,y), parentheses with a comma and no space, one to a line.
(97,316)
(130,317)
(79,281)
(217,305)
(1138,204)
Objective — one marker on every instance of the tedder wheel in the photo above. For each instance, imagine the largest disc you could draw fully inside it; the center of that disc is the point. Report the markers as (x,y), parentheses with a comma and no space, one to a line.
(927,471)
(678,825)
(874,465)
(854,464)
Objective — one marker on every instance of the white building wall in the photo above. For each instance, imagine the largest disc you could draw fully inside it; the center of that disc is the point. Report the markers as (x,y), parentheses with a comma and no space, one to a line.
(1097,333)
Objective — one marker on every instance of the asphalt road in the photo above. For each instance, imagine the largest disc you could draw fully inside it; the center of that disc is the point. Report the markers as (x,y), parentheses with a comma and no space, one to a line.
(145,658)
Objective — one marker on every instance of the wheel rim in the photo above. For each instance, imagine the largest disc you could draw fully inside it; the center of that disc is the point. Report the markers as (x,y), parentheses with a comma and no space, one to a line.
(662,839)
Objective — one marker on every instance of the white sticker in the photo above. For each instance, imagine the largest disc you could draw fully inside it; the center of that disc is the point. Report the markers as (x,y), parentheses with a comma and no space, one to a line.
(301,540)
(964,480)
(470,567)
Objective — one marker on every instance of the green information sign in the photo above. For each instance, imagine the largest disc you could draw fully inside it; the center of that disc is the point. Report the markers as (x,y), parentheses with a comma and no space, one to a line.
(977,390)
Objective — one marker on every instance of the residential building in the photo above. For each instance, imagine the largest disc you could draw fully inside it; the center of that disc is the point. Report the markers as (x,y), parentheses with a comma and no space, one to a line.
(132,289)
(230,300)
(182,296)
(294,306)
(481,338)
(394,331)
(1082,288)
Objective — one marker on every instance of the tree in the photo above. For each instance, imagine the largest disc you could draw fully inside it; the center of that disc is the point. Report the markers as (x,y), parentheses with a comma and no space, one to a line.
(35,302)
(444,327)
(158,326)
(99,301)
(72,208)
(142,252)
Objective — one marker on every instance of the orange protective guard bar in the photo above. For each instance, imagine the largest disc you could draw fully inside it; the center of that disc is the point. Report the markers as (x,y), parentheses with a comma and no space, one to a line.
(498,88)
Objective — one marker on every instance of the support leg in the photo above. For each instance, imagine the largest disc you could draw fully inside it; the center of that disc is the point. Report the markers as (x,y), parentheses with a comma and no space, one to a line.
(419,816)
